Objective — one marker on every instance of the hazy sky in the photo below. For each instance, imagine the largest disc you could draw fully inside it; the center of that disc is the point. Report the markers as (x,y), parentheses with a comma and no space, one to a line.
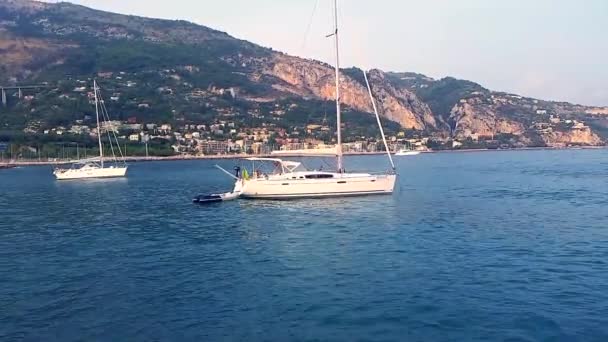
(550,49)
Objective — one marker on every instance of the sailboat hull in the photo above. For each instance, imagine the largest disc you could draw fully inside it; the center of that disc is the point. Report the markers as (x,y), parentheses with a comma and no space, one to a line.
(407,153)
(342,185)
(87,173)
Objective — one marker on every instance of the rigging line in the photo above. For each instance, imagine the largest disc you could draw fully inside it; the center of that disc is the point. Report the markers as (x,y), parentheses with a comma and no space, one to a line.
(106,121)
(99,103)
(371,96)
(308,27)
(113,132)
(327,163)
(117,143)
(106,116)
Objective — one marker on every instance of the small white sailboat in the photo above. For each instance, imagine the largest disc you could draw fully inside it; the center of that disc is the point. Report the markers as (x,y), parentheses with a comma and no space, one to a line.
(407,151)
(289,179)
(97,167)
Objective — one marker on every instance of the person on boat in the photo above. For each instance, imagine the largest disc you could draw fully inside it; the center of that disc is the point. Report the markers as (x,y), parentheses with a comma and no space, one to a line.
(237,171)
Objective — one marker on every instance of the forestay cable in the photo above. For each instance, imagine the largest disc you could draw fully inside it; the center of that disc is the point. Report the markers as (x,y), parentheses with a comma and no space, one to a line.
(371,96)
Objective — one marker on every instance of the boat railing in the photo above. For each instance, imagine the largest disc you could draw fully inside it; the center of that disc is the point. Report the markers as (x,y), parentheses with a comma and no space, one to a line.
(375,173)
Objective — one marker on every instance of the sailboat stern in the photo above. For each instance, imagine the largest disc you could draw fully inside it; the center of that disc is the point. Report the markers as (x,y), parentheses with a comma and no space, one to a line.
(389,183)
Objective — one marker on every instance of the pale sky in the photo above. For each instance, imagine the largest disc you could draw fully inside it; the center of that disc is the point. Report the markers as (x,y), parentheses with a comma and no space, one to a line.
(549,49)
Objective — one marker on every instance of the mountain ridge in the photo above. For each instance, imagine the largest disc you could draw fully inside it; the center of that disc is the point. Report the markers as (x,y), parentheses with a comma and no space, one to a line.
(41,39)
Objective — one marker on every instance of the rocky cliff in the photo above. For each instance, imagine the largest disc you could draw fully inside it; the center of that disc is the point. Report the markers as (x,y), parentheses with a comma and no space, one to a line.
(476,119)
(573,137)
(311,78)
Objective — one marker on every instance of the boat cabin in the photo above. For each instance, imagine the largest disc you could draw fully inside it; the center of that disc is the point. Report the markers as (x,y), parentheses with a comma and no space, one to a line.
(265,168)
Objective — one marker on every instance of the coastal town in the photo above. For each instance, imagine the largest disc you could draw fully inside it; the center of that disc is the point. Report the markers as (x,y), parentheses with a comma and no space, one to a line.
(230,130)
(224,138)
(258,128)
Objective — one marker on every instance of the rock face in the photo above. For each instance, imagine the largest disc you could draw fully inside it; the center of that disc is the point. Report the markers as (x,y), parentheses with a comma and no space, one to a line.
(22,56)
(476,119)
(311,78)
(556,124)
(581,137)
(400,104)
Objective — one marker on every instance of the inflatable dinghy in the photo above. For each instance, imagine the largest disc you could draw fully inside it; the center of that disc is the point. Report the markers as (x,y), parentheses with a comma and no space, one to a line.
(213,198)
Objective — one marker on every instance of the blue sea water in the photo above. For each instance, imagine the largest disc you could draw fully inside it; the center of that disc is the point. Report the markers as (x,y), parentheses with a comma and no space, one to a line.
(500,246)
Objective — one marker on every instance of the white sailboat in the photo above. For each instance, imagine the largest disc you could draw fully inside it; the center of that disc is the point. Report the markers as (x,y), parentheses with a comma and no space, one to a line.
(407,151)
(97,167)
(289,179)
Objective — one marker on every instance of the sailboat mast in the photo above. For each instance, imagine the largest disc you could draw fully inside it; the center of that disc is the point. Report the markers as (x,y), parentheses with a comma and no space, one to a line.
(338,114)
(98,126)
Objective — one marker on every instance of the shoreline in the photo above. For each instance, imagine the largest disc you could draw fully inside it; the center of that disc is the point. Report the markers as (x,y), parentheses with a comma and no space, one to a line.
(137,159)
